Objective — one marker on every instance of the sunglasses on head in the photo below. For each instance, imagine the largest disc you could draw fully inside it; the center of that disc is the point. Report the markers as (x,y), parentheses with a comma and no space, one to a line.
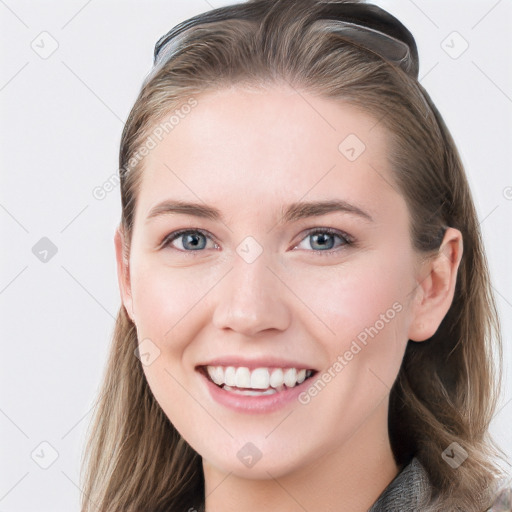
(363,25)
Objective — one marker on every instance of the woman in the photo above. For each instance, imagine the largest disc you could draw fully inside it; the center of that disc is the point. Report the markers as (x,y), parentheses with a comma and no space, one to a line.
(307,320)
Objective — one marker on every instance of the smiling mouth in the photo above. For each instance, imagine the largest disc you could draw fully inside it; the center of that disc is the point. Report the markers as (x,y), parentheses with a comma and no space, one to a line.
(256,382)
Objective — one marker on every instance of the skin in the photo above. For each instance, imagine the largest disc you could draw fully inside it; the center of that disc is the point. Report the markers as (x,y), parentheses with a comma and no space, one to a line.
(245,151)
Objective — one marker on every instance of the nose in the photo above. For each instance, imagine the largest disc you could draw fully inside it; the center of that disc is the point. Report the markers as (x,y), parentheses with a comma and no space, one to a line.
(252,299)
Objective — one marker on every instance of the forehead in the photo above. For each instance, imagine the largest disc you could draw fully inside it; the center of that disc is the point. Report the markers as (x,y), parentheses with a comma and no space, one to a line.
(277,143)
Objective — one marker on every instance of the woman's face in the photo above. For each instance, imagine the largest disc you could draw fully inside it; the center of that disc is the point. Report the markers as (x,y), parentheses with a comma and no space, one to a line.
(299,257)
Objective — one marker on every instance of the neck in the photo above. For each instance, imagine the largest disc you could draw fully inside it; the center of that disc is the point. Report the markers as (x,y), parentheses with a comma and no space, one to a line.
(349,478)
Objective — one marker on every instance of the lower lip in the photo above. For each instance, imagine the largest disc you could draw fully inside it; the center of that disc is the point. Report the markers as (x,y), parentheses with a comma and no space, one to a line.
(254,404)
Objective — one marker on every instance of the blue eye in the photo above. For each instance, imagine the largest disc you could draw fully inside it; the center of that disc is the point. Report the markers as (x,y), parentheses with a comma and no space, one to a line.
(322,240)
(191,240)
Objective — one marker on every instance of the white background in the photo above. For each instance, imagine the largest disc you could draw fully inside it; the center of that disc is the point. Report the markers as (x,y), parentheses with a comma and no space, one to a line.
(61,121)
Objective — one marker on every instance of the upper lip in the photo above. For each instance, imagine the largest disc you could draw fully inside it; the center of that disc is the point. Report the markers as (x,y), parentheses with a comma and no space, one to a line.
(260,362)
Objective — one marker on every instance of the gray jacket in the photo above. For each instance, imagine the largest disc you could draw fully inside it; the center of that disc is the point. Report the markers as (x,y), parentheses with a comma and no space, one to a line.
(411,487)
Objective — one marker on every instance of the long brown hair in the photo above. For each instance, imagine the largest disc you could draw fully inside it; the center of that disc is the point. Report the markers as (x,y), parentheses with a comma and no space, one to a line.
(446,390)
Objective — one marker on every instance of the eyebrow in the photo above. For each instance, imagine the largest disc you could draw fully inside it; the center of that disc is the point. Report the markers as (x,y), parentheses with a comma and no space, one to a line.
(291,213)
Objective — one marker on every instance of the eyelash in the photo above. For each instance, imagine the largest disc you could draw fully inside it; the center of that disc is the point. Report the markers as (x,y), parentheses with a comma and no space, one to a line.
(347,239)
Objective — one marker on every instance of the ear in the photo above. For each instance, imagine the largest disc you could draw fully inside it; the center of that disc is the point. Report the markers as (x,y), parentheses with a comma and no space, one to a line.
(123,272)
(436,287)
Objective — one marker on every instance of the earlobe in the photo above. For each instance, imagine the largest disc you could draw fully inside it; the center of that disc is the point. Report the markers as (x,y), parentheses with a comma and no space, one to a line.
(436,287)
(123,272)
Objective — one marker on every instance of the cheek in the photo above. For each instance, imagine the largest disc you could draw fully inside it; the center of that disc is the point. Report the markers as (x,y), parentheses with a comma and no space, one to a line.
(362,310)
(364,336)
(164,298)
(166,304)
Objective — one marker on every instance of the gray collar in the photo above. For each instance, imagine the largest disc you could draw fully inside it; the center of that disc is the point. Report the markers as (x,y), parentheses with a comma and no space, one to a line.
(408,491)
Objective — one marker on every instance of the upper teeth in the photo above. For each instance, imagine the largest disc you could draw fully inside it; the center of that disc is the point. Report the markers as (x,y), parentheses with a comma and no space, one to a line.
(259,378)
